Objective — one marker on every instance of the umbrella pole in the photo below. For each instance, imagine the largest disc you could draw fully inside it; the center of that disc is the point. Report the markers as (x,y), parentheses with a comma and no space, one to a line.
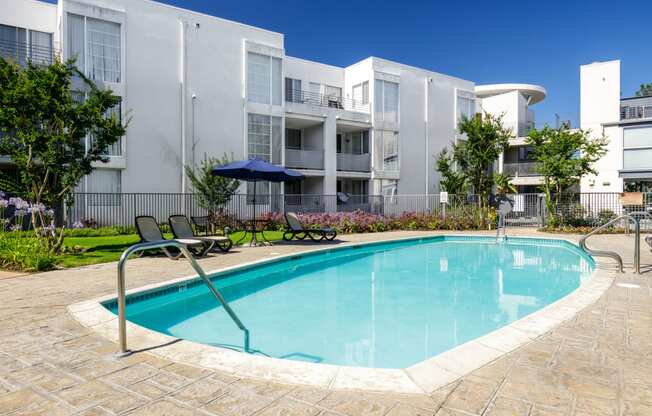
(254,242)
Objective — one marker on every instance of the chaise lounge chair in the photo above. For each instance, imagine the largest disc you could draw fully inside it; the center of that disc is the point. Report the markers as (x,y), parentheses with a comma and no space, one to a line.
(181,228)
(149,231)
(297,230)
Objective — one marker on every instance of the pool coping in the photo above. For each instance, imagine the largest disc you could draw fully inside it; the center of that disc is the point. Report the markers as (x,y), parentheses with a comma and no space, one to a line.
(423,377)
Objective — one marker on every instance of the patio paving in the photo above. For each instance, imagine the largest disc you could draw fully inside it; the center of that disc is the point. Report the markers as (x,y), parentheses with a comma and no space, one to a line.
(599,363)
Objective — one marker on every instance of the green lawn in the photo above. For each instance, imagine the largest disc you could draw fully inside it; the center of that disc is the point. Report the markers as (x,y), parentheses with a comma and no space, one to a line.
(109,248)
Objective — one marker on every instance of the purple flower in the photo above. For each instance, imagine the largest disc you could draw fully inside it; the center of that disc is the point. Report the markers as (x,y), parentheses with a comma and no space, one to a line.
(16,227)
(78,224)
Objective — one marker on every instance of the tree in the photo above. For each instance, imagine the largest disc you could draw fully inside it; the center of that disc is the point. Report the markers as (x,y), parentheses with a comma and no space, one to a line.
(504,184)
(212,191)
(562,157)
(645,90)
(486,140)
(452,181)
(43,130)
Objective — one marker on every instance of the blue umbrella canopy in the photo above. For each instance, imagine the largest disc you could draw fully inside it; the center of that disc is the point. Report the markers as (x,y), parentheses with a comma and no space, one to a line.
(257,170)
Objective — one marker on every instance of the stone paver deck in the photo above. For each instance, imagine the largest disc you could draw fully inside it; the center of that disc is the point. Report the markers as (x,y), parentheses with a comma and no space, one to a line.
(599,363)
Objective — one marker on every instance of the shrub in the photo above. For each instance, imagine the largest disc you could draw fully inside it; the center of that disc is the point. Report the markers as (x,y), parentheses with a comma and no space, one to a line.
(100,232)
(24,254)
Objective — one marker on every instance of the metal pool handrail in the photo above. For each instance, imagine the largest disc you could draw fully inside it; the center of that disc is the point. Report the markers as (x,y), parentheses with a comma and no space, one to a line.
(612,254)
(122,303)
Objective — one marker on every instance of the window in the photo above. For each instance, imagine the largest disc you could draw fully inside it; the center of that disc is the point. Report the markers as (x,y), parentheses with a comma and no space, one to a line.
(264,137)
(96,44)
(76,30)
(262,196)
(116,148)
(389,189)
(22,45)
(386,96)
(293,139)
(465,105)
(386,144)
(105,181)
(637,148)
(361,94)
(293,90)
(40,47)
(263,79)
(293,188)
(356,143)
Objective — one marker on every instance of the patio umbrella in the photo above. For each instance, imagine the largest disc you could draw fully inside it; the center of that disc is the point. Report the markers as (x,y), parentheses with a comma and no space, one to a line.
(254,170)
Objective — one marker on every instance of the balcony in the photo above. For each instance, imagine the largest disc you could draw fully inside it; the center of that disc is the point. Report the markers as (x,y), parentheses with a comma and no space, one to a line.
(636,108)
(328,101)
(354,162)
(23,53)
(520,169)
(304,159)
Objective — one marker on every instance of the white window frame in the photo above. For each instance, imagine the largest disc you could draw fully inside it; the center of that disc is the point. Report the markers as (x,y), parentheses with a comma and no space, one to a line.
(272,95)
(86,42)
(381,100)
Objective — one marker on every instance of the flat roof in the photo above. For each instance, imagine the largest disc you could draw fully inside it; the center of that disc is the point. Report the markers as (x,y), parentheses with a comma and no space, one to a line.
(536,92)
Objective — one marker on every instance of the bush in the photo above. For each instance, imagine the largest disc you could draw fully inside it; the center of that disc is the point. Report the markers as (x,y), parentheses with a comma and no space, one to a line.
(100,232)
(460,219)
(24,254)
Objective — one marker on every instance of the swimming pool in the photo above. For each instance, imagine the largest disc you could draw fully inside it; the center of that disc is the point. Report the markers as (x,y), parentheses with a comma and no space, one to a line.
(385,305)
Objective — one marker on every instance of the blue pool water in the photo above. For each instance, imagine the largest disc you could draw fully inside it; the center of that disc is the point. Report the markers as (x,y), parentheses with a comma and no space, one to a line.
(387,305)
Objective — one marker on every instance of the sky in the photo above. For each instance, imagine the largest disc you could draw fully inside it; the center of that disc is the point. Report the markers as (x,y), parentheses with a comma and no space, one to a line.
(536,42)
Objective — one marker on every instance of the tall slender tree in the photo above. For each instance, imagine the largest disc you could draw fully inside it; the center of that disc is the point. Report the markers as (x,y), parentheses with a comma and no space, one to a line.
(43,130)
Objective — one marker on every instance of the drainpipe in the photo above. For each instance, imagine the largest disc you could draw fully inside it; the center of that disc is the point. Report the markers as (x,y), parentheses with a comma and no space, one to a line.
(182,84)
(428,81)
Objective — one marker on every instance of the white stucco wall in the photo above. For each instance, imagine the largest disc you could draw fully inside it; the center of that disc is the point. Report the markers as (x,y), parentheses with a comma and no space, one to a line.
(599,104)
(30,14)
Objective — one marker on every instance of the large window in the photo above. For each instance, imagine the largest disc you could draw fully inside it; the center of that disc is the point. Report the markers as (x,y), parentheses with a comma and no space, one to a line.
(356,143)
(293,90)
(387,150)
(465,105)
(293,139)
(104,181)
(96,45)
(386,101)
(116,148)
(263,79)
(361,94)
(637,148)
(22,45)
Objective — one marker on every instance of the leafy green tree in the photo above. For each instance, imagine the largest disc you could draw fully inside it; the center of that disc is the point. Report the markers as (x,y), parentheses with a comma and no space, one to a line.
(452,181)
(43,131)
(504,184)
(562,157)
(645,90)
(486,140)
(213,192)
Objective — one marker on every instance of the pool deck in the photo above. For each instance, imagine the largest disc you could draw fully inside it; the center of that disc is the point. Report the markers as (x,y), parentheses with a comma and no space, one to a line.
(597,363)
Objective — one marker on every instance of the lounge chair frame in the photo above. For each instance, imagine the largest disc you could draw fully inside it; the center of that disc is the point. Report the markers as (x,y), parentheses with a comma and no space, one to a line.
(195,246)
(224,243)
(298,231)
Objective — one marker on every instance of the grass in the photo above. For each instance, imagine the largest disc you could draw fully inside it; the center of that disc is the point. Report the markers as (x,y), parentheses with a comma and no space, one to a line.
(104,249)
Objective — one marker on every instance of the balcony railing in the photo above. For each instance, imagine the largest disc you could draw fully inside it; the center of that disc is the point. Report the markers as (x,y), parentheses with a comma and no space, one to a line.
(304,159)
(23,52)
(325,100)
(520,169)
(354,162)
(636,111)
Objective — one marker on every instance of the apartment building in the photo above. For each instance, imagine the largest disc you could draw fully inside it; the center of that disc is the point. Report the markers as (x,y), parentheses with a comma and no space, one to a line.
(627,124)
(196,85)
(513,102)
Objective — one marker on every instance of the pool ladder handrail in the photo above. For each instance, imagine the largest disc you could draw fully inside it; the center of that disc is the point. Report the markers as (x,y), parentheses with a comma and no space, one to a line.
(613,254)
(500,227)
(122,304)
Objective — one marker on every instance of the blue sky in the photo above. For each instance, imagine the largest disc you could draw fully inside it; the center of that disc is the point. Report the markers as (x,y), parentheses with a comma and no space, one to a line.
(539,42)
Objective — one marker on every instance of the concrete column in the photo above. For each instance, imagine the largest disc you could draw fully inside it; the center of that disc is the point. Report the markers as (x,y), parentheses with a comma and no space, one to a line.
(330,161)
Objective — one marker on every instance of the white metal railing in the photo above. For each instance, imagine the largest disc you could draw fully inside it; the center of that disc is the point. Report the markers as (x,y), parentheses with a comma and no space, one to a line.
(122,301)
